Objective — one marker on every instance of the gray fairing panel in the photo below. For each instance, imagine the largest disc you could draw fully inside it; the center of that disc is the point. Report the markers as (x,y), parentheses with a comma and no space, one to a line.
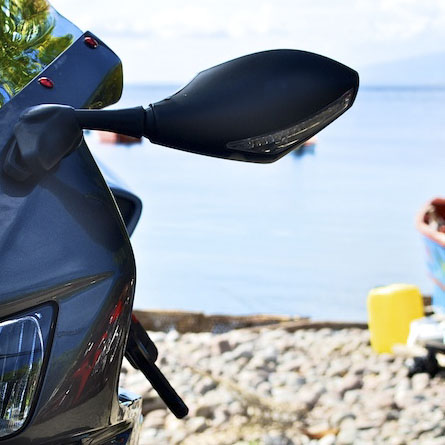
(62,240)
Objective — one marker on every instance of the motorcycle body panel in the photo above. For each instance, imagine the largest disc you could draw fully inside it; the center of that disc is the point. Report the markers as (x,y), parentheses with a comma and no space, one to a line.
(33,34)
(63,242)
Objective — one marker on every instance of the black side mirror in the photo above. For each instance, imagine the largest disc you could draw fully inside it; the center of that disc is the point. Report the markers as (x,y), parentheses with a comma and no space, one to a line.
(256,108)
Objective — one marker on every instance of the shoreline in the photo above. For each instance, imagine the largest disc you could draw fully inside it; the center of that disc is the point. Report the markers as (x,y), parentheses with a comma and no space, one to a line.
(192,321)
(196,322)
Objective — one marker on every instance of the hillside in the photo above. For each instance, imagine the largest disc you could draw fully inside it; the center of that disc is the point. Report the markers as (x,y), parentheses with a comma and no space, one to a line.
(426,70)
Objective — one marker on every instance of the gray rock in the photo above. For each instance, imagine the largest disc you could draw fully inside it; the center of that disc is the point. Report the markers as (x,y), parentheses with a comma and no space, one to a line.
(155,419)
(241,362)
(396,440)
(349,383)
(392,414)
(172,336)
(291,366)
(403,384)
(243,350)
(276,439)
(205,385)
(368,435)
(339,416)
(437,441)
(329,439)
(151,404)
(206,411)
(338,368)
(357,369)
(384,400)
(236,408)
(258,364)
(220,346)
(424,427)
(220,418)
(217,397)
(347,436)
(264,388)
(270,354)
(148,436)
(420,381)
(351,397)
(318,429)
(178,436)
(310,395)
(197,425)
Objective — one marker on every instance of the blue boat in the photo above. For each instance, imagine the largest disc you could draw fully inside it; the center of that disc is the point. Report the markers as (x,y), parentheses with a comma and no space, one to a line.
(431,224)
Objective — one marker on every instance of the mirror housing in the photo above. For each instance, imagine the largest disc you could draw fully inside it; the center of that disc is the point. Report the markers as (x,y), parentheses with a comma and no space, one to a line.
(255,108)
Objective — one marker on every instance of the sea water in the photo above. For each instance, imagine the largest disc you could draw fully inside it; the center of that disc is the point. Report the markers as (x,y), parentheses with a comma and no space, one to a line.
(307,235)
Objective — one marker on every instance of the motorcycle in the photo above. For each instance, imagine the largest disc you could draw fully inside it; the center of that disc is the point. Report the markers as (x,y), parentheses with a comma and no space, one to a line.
(67,271)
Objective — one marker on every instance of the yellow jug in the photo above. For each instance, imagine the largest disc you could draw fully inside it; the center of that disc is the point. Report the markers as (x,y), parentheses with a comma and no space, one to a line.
(391,309)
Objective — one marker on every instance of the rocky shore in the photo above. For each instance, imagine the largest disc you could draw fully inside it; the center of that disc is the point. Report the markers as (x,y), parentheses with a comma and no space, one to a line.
(275,387)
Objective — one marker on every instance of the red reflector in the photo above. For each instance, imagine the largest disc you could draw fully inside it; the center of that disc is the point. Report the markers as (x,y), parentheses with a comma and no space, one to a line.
(89,41)
(45,82)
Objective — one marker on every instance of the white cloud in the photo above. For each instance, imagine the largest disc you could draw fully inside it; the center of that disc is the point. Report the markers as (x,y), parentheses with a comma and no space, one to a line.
(172,39)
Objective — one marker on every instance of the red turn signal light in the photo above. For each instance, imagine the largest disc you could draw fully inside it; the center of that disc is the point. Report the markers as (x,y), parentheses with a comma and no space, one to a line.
(89,41)
(46,82)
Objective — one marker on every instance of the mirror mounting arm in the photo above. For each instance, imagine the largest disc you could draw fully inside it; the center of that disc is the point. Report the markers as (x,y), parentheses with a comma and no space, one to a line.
(45,134)
(129,121)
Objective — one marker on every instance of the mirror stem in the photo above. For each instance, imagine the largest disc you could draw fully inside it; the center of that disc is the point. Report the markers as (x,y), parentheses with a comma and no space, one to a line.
(45,134)
(129,121)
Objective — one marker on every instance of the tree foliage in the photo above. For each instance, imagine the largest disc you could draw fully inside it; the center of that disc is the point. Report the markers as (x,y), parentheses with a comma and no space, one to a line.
(28,43)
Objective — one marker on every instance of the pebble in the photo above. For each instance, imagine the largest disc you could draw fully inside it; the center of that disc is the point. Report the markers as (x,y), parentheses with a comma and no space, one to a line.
(420,381)
(329,439)
(155,419)
(197,424)
(272,387)
(347,437)
(220,346)
(243,350)
(276,439)
(292,365)
(339,416)
(349,383)
(205,385)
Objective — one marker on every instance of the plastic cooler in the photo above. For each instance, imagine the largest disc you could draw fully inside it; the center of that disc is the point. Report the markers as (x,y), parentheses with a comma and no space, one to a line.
(391,309)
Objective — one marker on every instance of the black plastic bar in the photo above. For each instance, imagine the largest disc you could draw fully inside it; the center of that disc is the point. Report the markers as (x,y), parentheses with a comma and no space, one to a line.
(129,121)
(142,353)
(166,392)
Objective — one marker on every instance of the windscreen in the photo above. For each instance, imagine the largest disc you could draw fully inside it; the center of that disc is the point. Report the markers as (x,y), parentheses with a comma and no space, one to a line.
(32,35)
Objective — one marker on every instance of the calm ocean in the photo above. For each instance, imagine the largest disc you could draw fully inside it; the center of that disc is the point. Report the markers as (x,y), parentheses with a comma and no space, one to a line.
(308,235)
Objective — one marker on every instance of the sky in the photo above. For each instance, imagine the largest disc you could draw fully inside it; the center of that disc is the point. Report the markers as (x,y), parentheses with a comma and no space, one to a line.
(169,41)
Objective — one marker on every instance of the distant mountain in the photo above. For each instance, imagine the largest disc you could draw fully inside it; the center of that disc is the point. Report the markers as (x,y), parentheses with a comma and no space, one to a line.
(426,70)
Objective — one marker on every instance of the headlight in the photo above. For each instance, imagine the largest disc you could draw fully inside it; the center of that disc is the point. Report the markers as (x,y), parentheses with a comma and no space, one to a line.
(23,340)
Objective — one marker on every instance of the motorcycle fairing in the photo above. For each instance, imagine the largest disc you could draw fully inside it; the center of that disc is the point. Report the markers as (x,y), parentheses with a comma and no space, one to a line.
(62,240)
(32,35)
